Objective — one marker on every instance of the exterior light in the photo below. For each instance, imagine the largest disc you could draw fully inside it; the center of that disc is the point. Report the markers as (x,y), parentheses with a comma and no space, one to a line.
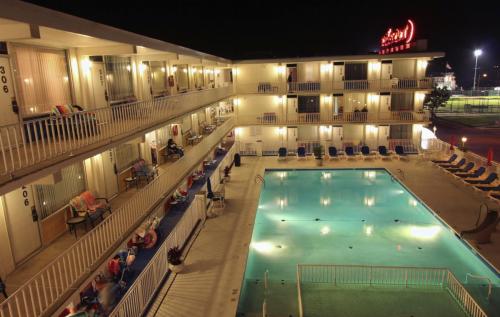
(477,53)
(485,75)
(464,139)
(434,129)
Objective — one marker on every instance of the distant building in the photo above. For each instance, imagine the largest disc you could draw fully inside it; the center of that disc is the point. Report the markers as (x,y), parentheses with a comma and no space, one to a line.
(445,80)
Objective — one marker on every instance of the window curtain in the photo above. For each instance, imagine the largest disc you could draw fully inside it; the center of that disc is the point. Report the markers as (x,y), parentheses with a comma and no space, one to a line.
(42,77)
(158,77)
(50,198)
(119,78)
(403,68)
(356,71)
(400,131)
(402,101)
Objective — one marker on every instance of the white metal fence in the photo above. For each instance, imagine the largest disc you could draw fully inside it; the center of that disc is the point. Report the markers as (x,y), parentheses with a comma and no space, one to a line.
(56,137)
(143,289)
(53,282)
(385,276)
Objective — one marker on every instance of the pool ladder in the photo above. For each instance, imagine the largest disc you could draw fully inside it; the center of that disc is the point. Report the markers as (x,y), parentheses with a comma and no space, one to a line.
(266,287)
(480,277)
(259,178)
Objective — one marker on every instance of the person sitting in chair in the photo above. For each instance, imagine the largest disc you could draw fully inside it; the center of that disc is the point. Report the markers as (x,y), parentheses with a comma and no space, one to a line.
(173,148)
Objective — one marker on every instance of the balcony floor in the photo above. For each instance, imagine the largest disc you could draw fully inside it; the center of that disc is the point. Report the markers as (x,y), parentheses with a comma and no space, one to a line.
(215,264)
(48,253)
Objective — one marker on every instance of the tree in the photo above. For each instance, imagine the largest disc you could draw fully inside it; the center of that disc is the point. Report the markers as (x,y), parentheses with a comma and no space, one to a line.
(437,98)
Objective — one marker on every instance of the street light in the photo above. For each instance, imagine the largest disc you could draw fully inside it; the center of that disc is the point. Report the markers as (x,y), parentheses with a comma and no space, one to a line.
(477,53)
(434,129)
(464,139)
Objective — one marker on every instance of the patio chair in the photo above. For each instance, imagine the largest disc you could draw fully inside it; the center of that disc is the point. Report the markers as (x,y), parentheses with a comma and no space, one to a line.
(451,159)
(141,170)
(333,154)
(382,151)
(489,188)
(301,152)
(476,174)
(365,150)
(349,152)
(282,153)
(400,152)
(458,165)
(465,169)
(488,180)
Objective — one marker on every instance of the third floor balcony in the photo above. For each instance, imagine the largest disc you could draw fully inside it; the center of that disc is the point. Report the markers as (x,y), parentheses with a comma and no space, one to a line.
(35,144)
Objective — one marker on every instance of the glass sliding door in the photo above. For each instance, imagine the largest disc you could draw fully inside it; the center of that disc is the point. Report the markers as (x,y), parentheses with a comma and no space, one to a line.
(119,78)
(182,77)
(158,78)
(42,78)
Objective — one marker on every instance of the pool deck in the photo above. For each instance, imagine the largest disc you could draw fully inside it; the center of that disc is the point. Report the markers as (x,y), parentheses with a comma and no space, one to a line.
(215,264)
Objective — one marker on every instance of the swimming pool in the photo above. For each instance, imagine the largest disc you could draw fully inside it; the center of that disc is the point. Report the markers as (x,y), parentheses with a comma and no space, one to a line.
(351,216)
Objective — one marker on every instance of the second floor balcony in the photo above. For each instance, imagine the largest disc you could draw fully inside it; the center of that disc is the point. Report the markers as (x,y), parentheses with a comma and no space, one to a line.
(388,117)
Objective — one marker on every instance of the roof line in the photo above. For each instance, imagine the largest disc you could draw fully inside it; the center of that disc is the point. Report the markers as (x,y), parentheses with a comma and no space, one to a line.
(34,14)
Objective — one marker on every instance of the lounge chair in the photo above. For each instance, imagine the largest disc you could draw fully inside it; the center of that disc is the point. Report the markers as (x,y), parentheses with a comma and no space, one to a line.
(282,153)
(349,151)
(382,151)
(466,169)
(488,180)
(332,153)
(451,159)
(365,150)
(458,165)
(301,152)
(477,173)
(400,152)
(489,188)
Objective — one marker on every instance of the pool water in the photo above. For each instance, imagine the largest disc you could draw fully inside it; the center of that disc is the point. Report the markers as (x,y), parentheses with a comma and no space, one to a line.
(353,217)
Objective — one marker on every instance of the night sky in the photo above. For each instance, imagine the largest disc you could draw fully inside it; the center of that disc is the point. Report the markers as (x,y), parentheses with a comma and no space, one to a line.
(265,29)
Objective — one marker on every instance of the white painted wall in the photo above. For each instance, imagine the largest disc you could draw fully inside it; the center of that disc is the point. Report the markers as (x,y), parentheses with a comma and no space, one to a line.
(7,264)
(255,73)
(259,104)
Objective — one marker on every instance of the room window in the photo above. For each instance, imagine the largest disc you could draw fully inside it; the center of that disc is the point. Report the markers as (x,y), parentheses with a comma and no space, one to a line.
(42,77)
(356,71)
(119,78)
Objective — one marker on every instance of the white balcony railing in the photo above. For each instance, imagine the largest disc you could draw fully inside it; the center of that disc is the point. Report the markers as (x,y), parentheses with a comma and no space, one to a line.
(39,142)
(142,290)
(53,282)
(280,88)
(271,118)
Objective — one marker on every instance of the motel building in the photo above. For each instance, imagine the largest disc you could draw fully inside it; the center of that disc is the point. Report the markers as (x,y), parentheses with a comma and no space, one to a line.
(94,196)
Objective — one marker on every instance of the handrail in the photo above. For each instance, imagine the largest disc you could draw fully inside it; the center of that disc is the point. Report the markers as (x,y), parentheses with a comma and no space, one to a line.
(487,279)
(53,282)
(34,142)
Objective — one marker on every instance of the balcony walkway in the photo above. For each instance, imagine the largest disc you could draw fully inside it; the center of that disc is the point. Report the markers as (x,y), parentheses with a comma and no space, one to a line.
(37,144)
(170,173)
(215,264)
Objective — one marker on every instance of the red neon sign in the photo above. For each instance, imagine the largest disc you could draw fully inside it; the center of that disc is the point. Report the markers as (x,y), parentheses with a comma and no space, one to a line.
(398,36)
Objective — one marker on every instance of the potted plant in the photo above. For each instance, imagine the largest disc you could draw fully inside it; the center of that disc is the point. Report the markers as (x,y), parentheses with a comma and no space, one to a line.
(174,257)
(318,155)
